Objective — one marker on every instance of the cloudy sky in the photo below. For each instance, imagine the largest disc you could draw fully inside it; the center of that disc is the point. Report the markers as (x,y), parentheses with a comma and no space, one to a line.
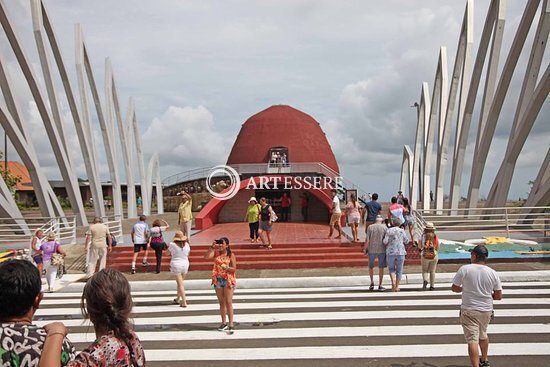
(198,69)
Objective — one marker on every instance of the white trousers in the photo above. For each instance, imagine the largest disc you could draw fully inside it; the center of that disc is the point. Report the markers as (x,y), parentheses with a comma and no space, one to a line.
(186,228)
(51,273)
(95,254)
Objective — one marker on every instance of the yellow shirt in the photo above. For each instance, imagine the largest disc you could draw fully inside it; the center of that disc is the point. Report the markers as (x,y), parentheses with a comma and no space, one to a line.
(252,213)
(184,211)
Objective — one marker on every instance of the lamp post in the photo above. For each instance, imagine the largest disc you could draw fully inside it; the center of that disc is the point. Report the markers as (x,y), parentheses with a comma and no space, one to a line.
(5,155)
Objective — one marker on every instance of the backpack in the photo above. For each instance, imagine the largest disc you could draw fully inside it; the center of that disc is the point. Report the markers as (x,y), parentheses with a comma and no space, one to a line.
(428,252)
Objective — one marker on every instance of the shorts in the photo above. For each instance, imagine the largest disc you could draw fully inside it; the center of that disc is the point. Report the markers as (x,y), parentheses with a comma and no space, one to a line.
(335,219)
(381,260)
(221,283)
(354,219)
(474,324)
(409,220)
(179,269)
(265,226)
(139,246)
(38,259)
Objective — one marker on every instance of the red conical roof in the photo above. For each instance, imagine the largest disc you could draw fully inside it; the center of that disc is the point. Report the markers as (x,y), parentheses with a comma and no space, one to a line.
(282,126)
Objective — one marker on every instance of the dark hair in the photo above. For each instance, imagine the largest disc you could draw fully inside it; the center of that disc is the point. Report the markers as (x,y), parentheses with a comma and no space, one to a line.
(393,200)
(375,196)
(226,241)
(334,191)
(19,285)
(157,223)
(142,218)
(406,203)
(481,252)
(107,302)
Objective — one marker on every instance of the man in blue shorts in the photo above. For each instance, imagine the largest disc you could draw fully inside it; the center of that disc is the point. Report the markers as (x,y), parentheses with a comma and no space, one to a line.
(375,249)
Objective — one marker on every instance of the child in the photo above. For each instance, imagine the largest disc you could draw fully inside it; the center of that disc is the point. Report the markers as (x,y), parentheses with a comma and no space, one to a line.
(107,302)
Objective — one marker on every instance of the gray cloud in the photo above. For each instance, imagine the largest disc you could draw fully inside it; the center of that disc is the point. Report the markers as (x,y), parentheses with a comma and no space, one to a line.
(199,69)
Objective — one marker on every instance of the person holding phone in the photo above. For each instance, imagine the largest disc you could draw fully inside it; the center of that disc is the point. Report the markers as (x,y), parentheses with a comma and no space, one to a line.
(223,280)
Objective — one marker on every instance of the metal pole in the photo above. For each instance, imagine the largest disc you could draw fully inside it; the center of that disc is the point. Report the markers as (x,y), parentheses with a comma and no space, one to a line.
(506,216)
(5,155)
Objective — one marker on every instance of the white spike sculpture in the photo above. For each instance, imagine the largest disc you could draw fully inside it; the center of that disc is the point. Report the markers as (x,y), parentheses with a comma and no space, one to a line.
(55,138)
(113,107)
(486,133)
(105,124)
(530,102)
(437,119)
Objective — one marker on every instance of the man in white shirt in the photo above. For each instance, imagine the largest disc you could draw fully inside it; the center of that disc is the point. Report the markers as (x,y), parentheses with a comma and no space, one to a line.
(140,238)
(479,285)
(335,216)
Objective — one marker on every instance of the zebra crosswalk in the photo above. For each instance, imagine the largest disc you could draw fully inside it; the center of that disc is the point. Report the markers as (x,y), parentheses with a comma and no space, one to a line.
(326,326)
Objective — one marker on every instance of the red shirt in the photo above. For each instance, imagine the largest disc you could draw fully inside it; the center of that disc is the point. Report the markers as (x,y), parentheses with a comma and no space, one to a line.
(285,201)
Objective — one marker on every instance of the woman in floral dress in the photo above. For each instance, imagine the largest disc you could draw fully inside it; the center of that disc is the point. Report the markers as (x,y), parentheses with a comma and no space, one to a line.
(223,280)
(107,302)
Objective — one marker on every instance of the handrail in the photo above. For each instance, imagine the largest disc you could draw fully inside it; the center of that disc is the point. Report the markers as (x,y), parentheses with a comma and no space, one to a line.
(12,234)
(269,168)
(507,219)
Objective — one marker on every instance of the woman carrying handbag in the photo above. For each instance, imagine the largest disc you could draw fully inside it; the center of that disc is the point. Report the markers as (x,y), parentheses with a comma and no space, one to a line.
(156,241)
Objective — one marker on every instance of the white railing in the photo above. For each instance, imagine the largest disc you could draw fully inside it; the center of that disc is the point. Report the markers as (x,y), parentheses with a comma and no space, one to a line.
(270,169)
(505,219)
(191,175)
(18,231)
(114,223)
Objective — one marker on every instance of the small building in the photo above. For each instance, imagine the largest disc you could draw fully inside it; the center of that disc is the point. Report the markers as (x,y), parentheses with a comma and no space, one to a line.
(277,144)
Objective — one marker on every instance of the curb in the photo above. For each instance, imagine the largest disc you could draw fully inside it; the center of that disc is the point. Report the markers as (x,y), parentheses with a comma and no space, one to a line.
(443,279)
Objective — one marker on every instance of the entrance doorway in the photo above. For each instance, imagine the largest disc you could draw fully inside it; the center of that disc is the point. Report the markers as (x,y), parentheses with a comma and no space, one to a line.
(274,199)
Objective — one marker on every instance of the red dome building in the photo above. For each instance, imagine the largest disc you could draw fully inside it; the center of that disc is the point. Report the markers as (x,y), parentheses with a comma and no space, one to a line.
(279,141)
(282,126)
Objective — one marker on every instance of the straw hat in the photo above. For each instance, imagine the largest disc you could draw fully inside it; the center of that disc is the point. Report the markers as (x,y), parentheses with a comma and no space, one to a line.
(253,198)
(430,225)
(179,236)
(51,236)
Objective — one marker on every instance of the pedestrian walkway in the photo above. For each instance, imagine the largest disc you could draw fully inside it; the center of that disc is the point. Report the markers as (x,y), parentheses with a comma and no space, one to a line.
(321,326)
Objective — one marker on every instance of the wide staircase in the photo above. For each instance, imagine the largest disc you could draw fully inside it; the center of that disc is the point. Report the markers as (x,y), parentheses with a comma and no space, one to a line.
(295,246)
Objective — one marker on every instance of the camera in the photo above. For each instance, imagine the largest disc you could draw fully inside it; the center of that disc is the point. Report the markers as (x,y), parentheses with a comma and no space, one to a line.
(218,242)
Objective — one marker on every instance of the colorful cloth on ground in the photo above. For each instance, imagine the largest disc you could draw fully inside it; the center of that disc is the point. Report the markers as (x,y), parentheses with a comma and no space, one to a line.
(218,271)
(110,351)
(21,346)
(395,240)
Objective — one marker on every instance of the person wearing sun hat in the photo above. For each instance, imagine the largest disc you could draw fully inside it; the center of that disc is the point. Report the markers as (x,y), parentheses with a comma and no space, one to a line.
(429,247)
(253,218)
(479,285)
(179,264)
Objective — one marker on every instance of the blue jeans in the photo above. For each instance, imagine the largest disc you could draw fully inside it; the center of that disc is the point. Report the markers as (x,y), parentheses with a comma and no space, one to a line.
(395,264)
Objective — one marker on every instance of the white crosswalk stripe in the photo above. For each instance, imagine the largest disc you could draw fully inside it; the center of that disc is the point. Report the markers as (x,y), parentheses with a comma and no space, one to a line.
(311,325)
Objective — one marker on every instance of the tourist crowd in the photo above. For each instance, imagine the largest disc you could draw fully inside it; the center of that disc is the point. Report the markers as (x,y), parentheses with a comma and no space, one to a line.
(107,302)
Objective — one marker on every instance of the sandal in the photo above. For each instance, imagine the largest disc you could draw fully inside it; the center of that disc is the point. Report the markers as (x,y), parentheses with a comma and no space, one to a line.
(371,287)
(269,247)
(175,301)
